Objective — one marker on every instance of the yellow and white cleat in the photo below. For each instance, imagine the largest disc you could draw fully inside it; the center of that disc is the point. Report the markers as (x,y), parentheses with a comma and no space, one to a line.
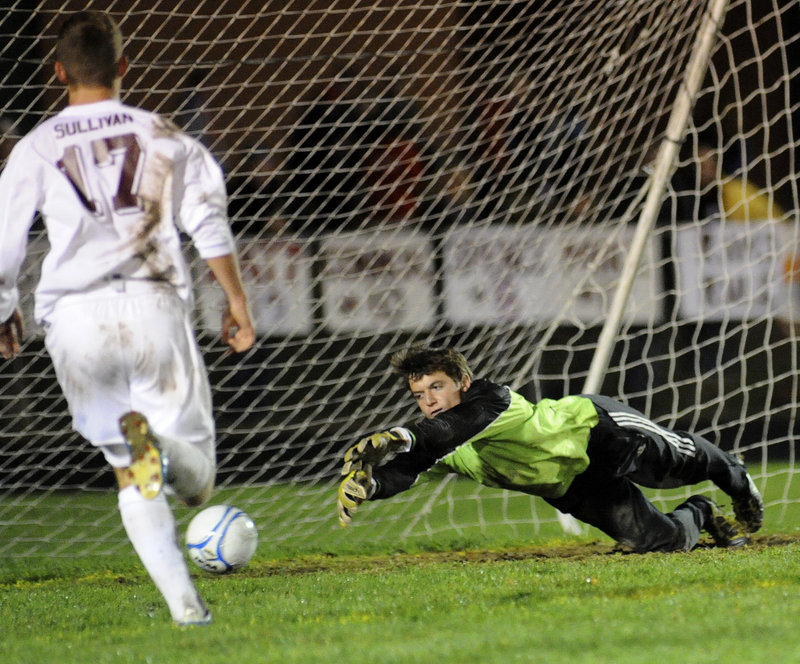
(148,464)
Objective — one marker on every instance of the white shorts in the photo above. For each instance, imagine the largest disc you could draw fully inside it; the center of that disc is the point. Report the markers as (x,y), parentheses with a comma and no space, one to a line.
(114,352)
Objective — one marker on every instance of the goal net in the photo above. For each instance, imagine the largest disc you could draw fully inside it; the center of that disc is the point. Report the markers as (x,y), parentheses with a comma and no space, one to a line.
(457,172)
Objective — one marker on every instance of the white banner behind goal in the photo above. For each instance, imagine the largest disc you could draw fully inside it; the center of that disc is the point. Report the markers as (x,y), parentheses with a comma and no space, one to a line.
(455,172)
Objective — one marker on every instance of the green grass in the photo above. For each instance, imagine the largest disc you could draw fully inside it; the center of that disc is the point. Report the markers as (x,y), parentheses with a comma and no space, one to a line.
(575,604)
(488,594)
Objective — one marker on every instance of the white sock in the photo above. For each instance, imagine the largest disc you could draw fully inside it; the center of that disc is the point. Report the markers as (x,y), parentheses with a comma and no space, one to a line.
(153,532)
(191,473)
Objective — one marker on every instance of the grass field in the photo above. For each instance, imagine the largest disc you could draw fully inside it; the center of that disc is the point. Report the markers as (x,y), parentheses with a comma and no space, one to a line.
(453,598)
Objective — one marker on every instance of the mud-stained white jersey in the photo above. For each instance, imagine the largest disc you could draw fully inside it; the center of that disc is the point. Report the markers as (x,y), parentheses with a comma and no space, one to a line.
(114,185)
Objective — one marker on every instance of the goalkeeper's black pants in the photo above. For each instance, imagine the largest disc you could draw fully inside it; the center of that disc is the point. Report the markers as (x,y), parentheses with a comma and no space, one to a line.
(627,449)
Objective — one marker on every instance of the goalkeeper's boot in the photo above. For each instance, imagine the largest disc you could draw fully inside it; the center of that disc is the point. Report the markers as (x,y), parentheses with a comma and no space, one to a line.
(749,507)
(148,467)
(725,532)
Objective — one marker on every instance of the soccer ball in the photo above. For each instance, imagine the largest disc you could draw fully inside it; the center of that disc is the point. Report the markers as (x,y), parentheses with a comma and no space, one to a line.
(221,538)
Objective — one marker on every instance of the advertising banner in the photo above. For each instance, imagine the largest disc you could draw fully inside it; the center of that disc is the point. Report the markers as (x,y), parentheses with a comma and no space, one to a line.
(532,275)
(387,283)
(277,276)
(735,270)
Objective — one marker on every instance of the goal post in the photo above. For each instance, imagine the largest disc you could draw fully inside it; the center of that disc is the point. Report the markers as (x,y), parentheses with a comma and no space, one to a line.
(464,173)
(664,165)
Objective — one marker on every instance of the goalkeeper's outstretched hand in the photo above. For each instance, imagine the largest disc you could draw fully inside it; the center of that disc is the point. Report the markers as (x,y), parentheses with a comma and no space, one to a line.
(377,449)
(354,490)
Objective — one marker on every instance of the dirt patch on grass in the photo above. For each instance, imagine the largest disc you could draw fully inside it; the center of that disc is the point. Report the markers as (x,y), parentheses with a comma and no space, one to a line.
(312,564)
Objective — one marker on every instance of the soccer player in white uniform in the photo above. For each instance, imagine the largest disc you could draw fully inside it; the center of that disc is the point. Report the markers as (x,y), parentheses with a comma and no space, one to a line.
(114,184)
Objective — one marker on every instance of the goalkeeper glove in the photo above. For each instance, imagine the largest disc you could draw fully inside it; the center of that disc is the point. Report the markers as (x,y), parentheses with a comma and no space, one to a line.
(377,449)
(354,490)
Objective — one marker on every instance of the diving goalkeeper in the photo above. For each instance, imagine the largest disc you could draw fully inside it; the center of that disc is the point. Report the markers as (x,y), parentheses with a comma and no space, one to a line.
(585,455)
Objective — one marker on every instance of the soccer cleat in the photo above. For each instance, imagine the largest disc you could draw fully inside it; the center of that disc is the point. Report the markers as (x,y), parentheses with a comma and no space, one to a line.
(148,464)
(749,508)
(193,616)
(724,531)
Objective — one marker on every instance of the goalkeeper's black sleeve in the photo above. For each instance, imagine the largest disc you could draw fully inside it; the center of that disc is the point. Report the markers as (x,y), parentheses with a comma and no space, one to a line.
(435,438)
(396,476)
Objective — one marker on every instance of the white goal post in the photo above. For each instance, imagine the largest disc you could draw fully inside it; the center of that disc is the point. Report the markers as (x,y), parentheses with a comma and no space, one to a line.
(457,172)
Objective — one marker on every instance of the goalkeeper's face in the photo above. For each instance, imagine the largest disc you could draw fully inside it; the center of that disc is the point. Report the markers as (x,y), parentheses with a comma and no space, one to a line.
(437,392)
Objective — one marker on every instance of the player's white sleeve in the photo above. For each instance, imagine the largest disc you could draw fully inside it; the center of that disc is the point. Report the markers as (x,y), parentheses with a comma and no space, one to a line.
(20,190)
(202,205)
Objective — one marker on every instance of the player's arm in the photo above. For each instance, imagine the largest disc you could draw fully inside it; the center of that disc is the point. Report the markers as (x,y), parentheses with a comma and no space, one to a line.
(396,458)
(20,185)
(202,213)
(368,483)
(398,475)
(378,466)
(432,439)
(237,322)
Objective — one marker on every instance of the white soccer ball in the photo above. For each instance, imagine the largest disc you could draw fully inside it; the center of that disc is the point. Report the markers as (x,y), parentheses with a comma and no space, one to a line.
(221,538)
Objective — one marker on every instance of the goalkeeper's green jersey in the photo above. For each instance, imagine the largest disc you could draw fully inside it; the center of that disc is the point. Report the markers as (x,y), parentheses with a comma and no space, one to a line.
(500,439)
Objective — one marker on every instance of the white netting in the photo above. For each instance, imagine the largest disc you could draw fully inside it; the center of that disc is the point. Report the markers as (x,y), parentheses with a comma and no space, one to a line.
(459,172)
